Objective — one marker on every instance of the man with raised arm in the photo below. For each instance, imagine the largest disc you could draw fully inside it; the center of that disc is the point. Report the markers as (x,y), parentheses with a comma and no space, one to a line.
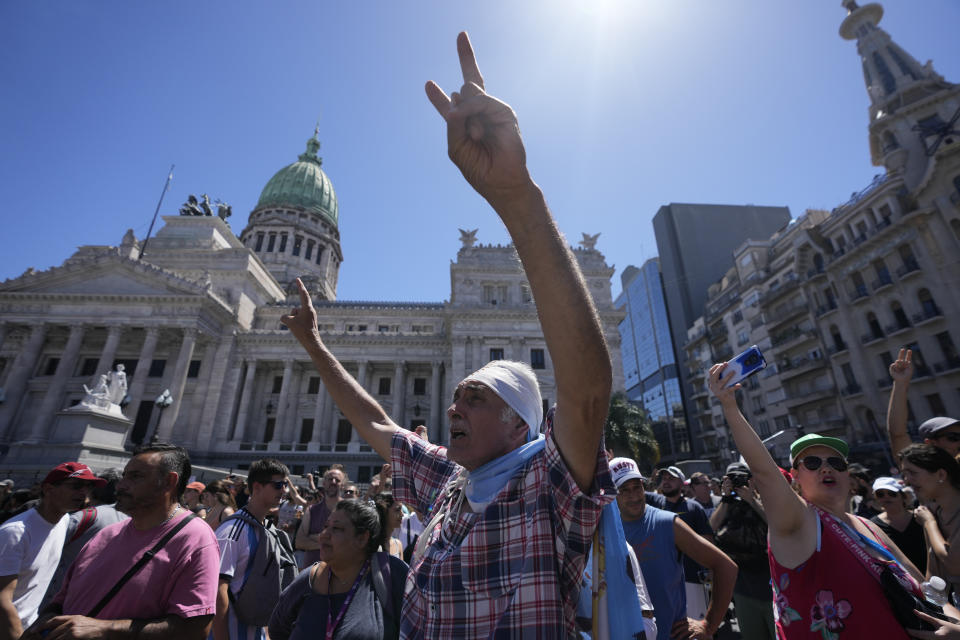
(511,510)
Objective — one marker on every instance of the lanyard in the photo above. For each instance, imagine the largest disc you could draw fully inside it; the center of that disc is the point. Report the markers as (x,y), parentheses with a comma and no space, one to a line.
(332,624)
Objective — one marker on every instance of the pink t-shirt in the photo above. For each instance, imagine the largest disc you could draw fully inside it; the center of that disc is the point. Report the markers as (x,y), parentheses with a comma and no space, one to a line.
(180,580)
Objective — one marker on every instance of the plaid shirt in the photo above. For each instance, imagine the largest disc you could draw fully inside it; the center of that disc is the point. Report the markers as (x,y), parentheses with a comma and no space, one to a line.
(512,571)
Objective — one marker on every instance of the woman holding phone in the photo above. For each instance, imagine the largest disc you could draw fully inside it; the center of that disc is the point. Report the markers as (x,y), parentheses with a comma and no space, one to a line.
(824,562)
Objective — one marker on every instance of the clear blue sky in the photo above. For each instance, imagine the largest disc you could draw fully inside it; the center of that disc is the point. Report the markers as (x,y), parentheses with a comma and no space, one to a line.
(624,106)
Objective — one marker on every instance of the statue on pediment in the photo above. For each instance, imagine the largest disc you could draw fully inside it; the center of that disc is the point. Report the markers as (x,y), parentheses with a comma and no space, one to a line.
(589,242)
(191,207)
(224,211)
(468,238)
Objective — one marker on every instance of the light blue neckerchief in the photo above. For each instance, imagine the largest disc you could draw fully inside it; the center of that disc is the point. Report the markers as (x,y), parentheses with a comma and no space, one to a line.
(485,482)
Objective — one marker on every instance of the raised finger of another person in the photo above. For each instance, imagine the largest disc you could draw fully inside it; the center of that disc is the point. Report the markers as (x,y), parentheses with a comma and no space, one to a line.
(468,61)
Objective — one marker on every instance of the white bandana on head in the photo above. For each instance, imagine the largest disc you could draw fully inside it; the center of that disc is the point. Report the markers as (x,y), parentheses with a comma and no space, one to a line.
(516,384)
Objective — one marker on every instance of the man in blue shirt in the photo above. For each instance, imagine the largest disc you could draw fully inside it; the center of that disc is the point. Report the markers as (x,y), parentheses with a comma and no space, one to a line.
(658,537)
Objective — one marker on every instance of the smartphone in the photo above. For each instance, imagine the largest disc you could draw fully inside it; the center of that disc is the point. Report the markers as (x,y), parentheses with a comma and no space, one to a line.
(746,364)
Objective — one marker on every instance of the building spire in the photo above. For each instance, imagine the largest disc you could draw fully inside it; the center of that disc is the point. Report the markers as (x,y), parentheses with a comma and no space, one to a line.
(313,147)
(891,74)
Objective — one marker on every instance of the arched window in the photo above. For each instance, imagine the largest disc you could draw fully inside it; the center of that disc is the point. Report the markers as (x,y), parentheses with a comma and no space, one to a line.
(927,304)
(874,325)
(900,320)
(838,343)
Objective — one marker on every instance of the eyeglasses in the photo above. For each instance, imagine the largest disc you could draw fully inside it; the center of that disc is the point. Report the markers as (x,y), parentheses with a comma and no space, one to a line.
(884,493)
(813,462)
(949,437)
(349,492)
(280,484)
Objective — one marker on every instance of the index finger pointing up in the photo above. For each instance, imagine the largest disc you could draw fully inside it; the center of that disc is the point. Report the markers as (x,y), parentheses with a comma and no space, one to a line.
(468,61)
(305,302)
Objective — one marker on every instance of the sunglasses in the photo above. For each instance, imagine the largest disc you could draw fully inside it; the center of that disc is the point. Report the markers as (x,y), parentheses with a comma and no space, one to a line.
(885,493)
(813,462)
(349,492)
(949,437)
(280,484)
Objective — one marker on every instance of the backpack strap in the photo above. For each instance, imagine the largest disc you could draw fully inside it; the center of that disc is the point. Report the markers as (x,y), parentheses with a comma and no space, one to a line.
(89,517)
(140,564)
(380,576)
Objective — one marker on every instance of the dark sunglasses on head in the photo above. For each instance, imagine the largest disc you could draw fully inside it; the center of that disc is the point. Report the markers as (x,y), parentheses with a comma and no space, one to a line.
(280,484)
(813,462)
(884,493)
(949,437)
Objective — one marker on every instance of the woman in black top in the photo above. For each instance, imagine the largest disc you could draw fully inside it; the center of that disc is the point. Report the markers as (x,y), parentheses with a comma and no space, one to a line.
(354,593)
(897,521)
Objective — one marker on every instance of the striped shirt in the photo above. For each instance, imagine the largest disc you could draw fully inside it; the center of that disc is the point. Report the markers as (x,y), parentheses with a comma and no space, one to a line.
(238,543)
(512,571)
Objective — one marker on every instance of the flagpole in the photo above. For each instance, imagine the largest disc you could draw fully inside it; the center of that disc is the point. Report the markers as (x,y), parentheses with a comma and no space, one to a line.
(152,222)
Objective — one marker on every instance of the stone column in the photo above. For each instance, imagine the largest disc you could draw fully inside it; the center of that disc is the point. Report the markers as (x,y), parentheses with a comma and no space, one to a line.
(53,398)
(363,370)
(4,328)
(213,400)
(178,382)
(279,428)
(240,428)
(139,381)
(328,405)
(289,428)
(20,373)
(436,417)
(399,391)
(109,352)
(319,412)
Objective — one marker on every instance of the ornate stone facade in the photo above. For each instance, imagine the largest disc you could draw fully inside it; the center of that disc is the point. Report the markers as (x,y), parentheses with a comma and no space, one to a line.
(199,315)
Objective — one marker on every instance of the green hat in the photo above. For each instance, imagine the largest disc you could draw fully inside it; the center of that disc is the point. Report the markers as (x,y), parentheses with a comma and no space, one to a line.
(812,440)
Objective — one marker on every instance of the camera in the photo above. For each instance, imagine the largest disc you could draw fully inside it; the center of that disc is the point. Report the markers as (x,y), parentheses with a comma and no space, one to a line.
(738,479)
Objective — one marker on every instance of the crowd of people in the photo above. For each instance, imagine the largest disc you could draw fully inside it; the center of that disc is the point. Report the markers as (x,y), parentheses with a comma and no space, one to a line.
(497,534)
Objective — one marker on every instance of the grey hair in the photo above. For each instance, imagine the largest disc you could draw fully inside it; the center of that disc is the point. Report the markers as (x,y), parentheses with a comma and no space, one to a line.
(508,415)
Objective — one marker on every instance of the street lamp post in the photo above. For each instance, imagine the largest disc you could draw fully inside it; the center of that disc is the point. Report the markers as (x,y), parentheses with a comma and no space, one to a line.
(163,401)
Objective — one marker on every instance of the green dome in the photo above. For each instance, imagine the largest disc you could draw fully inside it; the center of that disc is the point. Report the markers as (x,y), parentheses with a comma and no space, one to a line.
(302,184)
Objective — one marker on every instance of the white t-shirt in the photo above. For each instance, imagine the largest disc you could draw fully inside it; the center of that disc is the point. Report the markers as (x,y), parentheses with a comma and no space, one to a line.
(30,549)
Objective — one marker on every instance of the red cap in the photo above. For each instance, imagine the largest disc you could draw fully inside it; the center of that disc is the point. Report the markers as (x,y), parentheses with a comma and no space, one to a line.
(68,470)
(197,486)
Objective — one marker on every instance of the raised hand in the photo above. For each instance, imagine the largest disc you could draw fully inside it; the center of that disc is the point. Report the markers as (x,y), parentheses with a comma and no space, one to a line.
(901,369)
(483,137)
(302,320)
(717,382)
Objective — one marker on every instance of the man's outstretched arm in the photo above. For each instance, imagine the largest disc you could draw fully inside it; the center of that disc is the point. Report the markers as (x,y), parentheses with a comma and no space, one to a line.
(483,140)
(364,413)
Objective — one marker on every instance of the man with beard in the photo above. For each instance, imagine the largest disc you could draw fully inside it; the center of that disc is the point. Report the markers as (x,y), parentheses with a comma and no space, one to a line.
(173,595)
(314,518)
(669,498)
(511,510)
(31,544)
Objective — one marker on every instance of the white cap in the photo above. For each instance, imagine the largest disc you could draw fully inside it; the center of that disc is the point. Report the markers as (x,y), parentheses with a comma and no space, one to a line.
(675,472)
(888,483)
(624,469)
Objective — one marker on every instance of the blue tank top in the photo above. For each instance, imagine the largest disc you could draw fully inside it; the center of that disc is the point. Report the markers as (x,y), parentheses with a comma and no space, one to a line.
(652,540)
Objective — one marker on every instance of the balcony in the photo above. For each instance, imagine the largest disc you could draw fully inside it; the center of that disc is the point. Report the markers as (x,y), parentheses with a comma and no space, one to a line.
(773,293)
(816,273)
(870,338)
(788,313)
(791,337)
(823,310)
(859,294)
(897,328)
(811,394)
(927,315)
(757,321)
(835,349)
(797,366)
(882,283)
(852,389)
(947,366)
(909,268)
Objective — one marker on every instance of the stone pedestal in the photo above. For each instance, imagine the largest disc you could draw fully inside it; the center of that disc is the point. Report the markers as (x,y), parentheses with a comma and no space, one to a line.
(90,435)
